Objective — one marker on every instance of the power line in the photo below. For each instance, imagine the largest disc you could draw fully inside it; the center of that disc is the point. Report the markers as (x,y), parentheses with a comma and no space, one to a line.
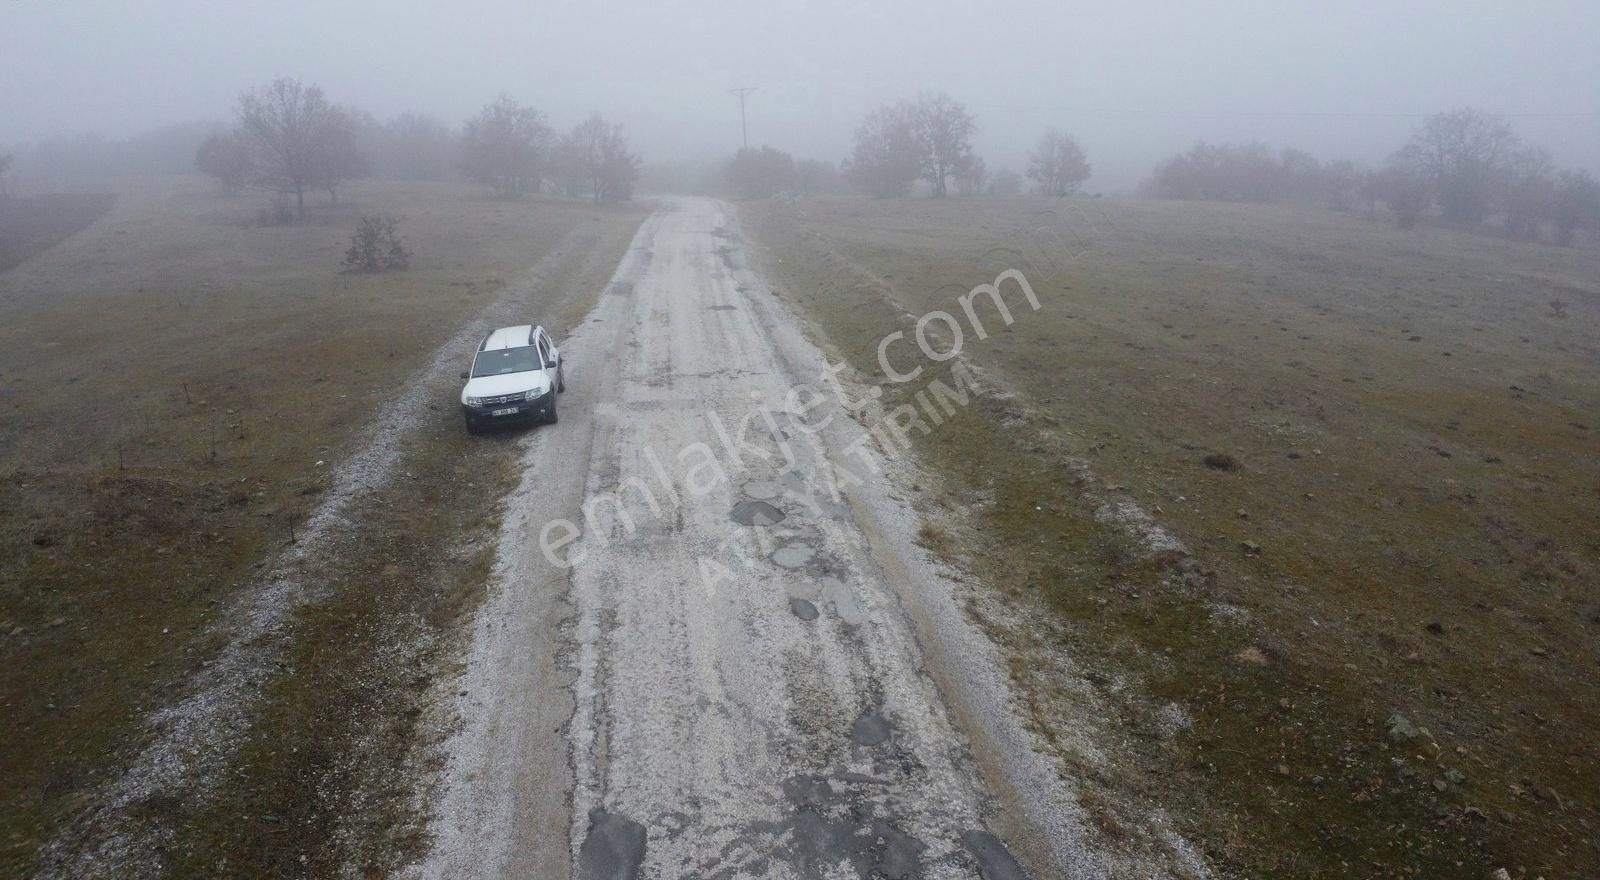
(744,129)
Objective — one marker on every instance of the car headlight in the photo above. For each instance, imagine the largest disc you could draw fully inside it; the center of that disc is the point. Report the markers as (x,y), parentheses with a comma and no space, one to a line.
(474,401)
(535,394)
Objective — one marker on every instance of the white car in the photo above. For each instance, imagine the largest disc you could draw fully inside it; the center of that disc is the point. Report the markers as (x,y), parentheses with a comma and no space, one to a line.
(515,376)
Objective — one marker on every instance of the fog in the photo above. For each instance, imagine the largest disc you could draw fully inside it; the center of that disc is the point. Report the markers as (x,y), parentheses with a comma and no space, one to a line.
(1133,82)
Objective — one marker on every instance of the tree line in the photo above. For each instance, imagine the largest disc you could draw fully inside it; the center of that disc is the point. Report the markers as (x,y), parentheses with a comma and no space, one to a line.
(290,140)
(1468,167)
(902,145)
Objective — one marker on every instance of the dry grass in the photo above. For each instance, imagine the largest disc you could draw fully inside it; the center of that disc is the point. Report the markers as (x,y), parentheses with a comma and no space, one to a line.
(176,383)
(31,224)
(1411,432)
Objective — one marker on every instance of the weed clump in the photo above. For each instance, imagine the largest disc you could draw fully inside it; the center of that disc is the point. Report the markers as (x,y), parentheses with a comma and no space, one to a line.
(1221,461)
(375,247)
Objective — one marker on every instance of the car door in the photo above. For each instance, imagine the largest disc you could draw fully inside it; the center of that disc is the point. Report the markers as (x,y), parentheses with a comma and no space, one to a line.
(544,356)
(551,353)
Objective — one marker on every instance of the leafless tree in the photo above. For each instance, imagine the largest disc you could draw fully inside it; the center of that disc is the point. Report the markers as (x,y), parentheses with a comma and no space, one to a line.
(887,158)
(818,176)
(972,176)
(301,141)
(1465,153)
(1058,164)
(1575,205)
(945,129)
(1005,182)
(594,159)
(1406,189)
(337,152)
(760,173)
(416,147)
(506,146)
(228,157)
(1528,188)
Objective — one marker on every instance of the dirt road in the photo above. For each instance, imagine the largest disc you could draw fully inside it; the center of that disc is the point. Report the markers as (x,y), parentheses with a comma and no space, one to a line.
(744,667)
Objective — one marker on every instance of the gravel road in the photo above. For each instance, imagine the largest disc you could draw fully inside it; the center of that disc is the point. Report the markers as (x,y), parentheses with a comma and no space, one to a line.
(744,667)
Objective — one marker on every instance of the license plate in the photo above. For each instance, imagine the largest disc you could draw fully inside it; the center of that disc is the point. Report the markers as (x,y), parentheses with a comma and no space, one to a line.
(504,412)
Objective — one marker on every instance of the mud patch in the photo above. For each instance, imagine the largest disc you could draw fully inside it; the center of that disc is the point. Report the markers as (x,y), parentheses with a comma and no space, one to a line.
(995,862)
(803,609)
(756,513)
(613,849)
(872,729)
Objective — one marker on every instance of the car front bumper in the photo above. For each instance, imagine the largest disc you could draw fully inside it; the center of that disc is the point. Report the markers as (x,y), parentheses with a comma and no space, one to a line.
(520,411)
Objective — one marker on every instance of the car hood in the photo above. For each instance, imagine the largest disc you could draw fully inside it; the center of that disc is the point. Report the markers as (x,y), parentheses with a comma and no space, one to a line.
(509,383)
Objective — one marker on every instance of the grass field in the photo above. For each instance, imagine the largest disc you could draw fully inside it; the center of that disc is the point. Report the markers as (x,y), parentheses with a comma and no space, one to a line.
(1381,449)
(176,383)
(30,224)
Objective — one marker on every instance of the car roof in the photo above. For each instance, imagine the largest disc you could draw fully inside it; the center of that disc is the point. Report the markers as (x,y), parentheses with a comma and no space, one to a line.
(520,336)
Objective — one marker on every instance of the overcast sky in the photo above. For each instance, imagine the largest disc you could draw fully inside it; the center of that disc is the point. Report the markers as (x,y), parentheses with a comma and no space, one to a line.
(1133,80)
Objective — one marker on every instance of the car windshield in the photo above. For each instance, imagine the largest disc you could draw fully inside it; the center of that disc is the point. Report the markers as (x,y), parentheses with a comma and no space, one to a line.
(506,360)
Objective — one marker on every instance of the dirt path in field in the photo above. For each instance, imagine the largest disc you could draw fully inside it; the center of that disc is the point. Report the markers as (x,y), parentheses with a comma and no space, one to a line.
(744,667)
(189,744)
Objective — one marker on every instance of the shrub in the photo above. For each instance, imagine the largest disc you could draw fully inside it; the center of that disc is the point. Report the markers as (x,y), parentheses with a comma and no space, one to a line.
(375,247)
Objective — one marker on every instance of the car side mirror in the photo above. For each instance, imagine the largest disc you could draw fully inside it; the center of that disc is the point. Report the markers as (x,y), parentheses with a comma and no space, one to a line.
(465,374)
(550,364)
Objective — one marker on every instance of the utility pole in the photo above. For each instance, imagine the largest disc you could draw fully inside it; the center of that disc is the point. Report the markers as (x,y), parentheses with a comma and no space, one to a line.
(744,129)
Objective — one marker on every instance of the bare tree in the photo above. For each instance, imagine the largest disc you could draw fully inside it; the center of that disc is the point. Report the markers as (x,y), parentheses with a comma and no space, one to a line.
(1005,182)
(1575,205)
(887,157)
(818,176)
(506,147)
(1527,191)
(760,173)
(595,157)
(301,141)
(1058,164)
(416,147)
(972,175)
(1464,153)
(1406,189)
(945,129)
(228,157)
(337,153)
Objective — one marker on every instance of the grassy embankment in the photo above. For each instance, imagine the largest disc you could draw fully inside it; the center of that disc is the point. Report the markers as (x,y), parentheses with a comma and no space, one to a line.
(176,383)
(1402,425)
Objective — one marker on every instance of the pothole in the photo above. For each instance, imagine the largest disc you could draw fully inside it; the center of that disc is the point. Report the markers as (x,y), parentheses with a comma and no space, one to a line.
(803,609)
(756,513)
(793,555)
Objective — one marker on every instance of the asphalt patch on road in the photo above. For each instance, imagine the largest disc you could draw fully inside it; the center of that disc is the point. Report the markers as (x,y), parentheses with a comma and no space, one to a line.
(762,489)
(613,849)
(829,826)
(803,609)
(872,729)
(793,555)
(756,513)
